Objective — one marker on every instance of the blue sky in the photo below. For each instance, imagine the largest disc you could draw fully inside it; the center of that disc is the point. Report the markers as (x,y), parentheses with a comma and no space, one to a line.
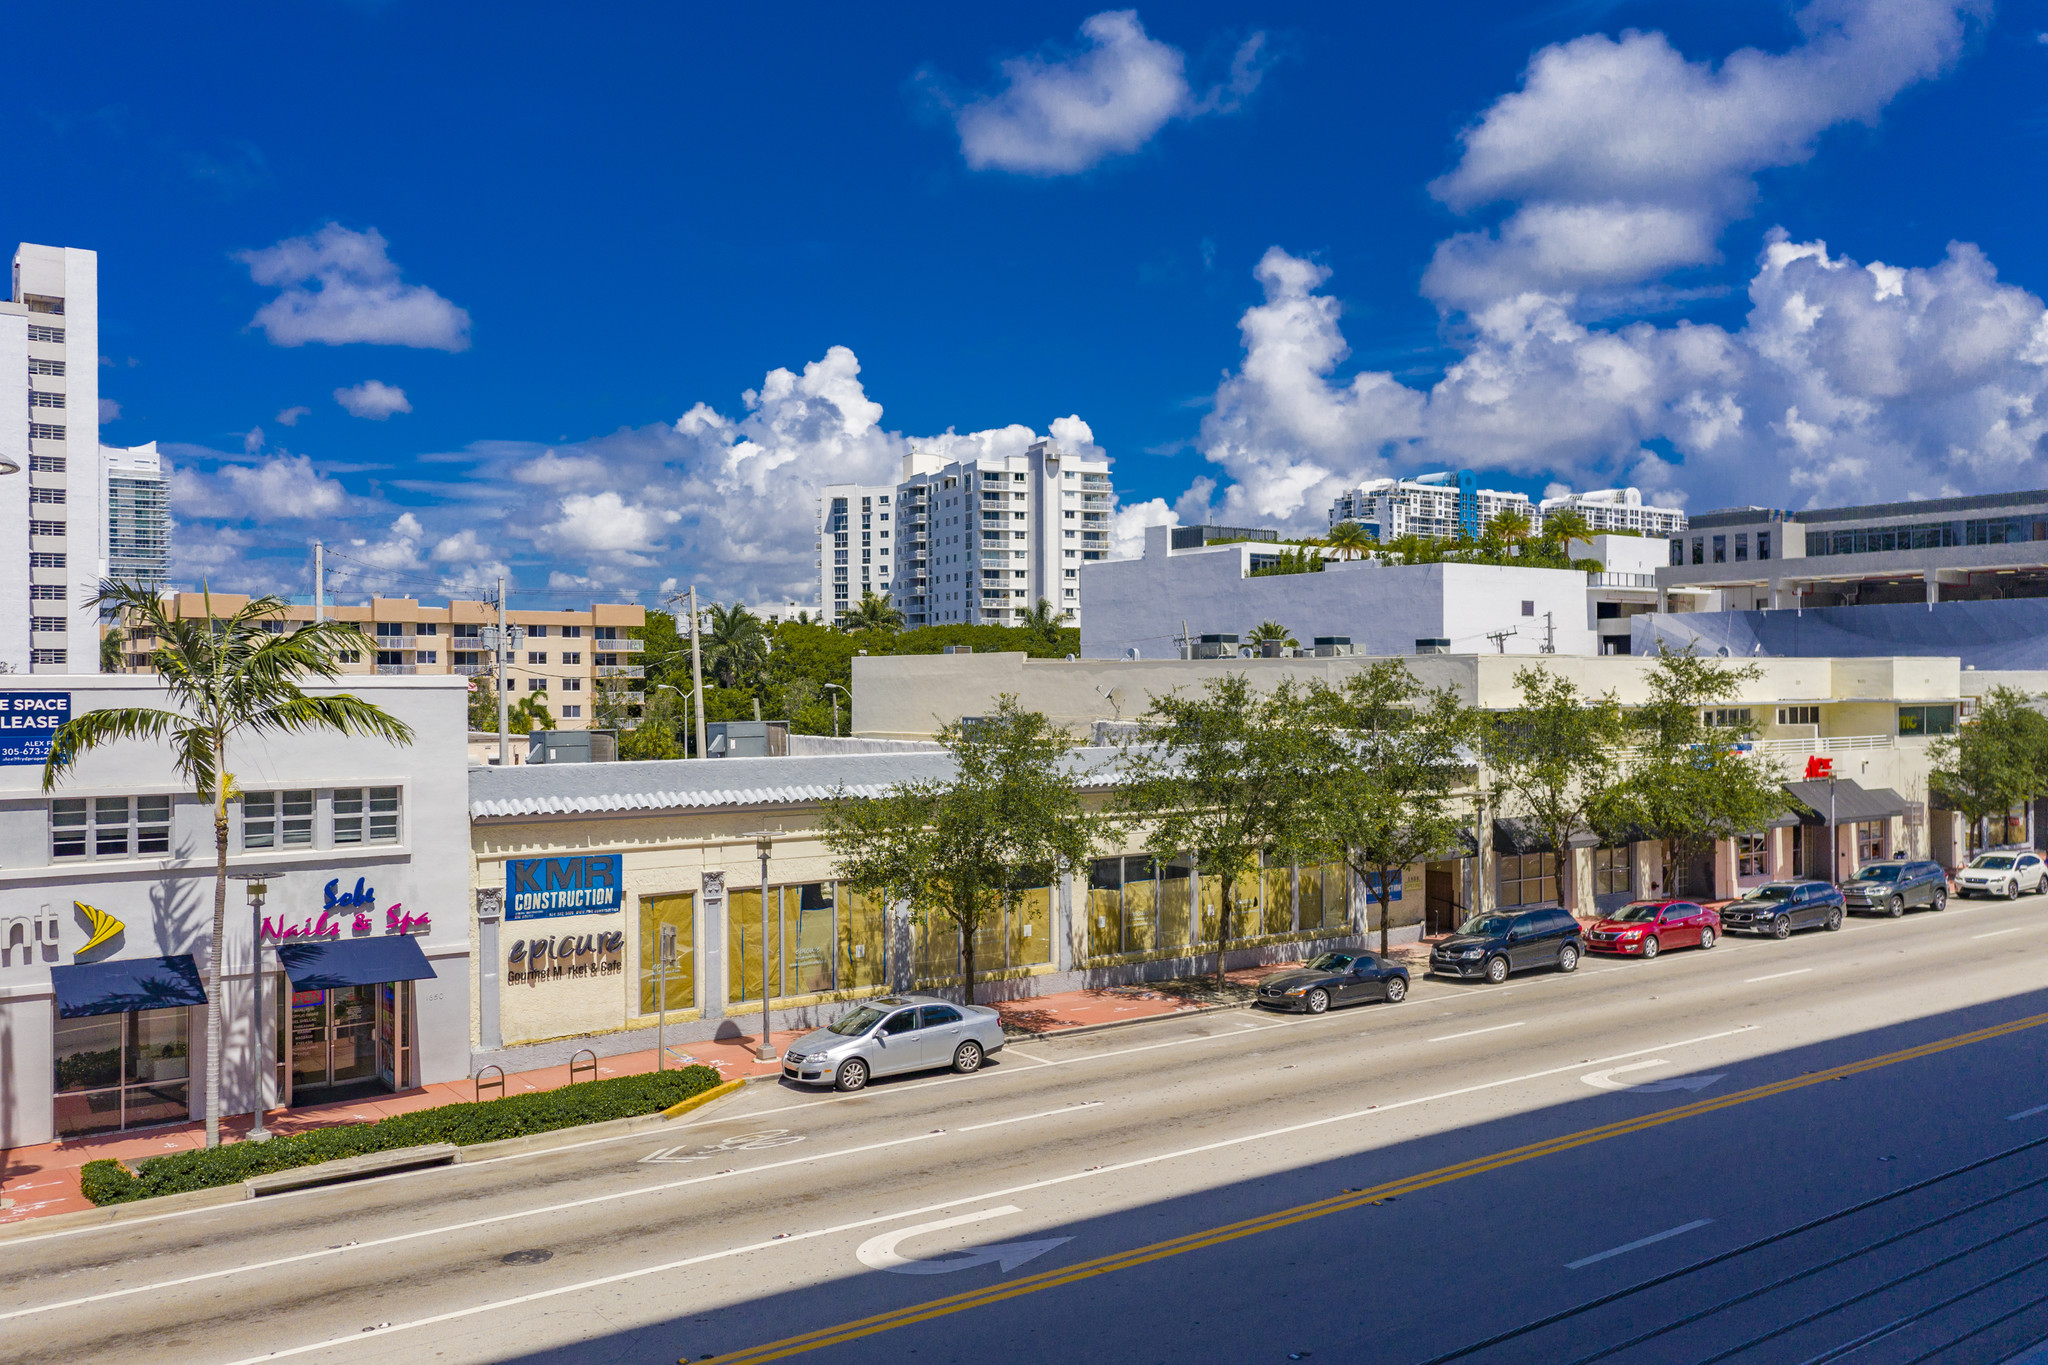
(601,298)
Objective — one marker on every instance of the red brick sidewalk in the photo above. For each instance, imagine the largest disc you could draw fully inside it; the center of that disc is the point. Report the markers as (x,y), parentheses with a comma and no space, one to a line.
(43,1180)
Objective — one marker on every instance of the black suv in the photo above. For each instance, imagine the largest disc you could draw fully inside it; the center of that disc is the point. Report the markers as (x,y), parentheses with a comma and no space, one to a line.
(1777,908)
(1891,887)
(1503,941)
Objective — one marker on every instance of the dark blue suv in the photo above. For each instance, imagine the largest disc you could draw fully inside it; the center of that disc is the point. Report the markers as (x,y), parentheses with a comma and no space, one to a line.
(1777,908)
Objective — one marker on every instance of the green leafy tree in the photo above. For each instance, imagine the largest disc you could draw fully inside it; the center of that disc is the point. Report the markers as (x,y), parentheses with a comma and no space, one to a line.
(1350,539)
(228,680)
(483,703)
(873,613)
(528,714)
(1691,780)
(112,657)
(1390,783)
(1226,776)
(657,734)
(953,847)
(735,646)
(1042,620)
(1997,760)
(1555,760)
(1292,560)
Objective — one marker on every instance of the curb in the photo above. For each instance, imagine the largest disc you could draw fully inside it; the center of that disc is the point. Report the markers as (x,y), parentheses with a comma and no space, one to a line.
(1080,1029)
(711,1096)
(115,1213)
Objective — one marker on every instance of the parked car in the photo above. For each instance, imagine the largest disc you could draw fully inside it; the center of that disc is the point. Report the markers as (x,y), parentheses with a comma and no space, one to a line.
(1646,928)
(1892,887)
(891,1035)
(2001,874)
(1777,908)
(1334,979)
(1503,941)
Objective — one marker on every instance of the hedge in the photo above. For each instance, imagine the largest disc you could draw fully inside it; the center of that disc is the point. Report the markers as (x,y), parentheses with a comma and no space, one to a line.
(110,1182)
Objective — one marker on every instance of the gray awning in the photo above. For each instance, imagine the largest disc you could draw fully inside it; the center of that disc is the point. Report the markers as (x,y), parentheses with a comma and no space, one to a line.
(1512,835)
(1852,802)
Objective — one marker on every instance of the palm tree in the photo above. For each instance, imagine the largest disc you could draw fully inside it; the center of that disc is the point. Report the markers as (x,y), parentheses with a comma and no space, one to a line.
(1350,539)
(1509,527)
(1566,525)
(227,679)
(1042,620)
(735,646)
(873,613)
(1271,630)
(111,658)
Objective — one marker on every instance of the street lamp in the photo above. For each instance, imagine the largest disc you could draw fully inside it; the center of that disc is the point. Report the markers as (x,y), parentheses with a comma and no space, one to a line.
(257,887)
(835,687)
(684,697)
(764,843)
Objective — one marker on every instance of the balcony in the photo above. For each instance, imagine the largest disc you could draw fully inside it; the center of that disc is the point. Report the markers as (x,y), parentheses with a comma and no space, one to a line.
(471,670)
(620,645)
(1622,580)
(398,670)
(621,671)
(393,641)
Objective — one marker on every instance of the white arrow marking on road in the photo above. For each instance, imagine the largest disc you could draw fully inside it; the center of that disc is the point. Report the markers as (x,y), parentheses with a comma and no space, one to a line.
(879,1253)
(1604,1080)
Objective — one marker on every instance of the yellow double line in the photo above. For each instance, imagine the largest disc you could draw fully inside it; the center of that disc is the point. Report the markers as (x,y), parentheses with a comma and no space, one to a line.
(1351,1199)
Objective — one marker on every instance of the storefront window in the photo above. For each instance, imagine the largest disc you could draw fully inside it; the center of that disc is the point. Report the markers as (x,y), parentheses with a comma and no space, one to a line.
(1528,879)
(807,946)
(1869,841)
(863,934)
(1613,872)
(677,915)
(808,921)
(1279,898)
(1752,857)
(1105,907)
(1927,720)
(117,1071)
(1174,903)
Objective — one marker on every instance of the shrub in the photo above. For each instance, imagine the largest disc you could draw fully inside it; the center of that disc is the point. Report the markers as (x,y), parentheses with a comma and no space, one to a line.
(109,1182)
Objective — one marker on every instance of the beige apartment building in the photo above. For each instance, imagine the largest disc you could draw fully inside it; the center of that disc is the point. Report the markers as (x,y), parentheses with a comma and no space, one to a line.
(560,656)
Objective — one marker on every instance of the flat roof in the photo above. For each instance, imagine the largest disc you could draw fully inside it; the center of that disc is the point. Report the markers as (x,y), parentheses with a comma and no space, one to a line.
(1928,507)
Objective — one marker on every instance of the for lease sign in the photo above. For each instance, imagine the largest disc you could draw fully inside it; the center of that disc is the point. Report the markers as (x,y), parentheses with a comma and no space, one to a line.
(544,888)
(27,720)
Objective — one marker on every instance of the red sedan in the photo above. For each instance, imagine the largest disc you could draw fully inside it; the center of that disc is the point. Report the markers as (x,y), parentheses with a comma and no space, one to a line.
(1647,928)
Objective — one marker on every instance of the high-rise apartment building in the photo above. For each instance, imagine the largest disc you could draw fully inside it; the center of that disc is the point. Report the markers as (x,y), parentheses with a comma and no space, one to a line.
(1447,506)
(976,542)
(137,541)
(1617,509)
(51,516)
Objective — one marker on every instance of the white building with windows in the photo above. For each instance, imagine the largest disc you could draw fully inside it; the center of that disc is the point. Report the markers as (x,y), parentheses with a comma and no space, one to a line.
(975,542)
(106,911)
(1617,509)
(76,512)
(1445,506)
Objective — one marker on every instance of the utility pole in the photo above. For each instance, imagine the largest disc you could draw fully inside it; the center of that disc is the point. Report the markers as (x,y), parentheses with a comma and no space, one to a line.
(697,688)
(319,580)
(1549,634)
(504,669)
(1500,638)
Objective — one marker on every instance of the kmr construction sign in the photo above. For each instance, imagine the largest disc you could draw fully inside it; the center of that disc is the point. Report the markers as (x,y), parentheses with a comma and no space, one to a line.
(27,721)
(545,888)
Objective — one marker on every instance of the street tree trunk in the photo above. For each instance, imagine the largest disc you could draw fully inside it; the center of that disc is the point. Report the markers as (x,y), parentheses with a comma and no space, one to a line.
(967,928)
(1223,909)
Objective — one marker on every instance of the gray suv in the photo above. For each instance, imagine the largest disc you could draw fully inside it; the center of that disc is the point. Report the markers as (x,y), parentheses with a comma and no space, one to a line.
(1890,888)
(894,1034)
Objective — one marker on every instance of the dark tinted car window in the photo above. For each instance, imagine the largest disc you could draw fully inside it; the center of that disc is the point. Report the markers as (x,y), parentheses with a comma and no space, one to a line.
(901,1023)
(935,1015)
(1561,919)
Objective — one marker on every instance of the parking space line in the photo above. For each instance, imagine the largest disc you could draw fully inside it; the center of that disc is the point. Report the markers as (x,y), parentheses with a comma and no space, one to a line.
(1774,976)
(1025,1055)
(1041,1114)
(1996,932)
(1474,1033)
(1638,1244)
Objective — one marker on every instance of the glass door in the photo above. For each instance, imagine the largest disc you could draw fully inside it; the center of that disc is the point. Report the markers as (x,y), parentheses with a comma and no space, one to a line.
(337,1039)
(352,1053)
(309,1041)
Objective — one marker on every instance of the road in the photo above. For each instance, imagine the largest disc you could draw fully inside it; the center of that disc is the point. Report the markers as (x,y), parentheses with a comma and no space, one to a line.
(1834,1147)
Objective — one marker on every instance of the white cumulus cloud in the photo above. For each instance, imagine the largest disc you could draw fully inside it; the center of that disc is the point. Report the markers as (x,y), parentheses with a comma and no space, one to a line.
(373,399)
(1060,115)
(339,286)
(282,487)
(290,416)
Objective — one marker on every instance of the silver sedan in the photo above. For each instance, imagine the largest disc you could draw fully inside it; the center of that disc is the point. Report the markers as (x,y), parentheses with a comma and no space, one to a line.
(891,1035)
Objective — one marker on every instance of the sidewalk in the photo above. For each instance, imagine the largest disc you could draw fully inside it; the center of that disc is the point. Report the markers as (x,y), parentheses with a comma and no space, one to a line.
(42,1180)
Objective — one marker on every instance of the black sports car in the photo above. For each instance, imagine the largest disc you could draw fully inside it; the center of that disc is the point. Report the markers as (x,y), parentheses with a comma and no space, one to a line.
(1334,979)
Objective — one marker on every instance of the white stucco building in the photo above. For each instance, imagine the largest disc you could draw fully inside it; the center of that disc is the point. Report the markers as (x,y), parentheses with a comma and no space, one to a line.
(106,908)
(967,542)
(1616,509)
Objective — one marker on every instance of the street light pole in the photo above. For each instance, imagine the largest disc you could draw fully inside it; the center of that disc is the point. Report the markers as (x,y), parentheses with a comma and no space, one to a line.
(697,677)
(258,888)
(763,843)
(1834,841)
(835,689)
(503,661)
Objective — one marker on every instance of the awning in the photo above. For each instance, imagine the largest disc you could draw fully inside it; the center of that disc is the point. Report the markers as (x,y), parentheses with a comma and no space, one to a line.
(1512,836)
(118,985)
(354,962)
(1852,803)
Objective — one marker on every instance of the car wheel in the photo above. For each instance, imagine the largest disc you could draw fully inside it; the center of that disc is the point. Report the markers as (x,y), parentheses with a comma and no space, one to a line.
(851,1076)
(1496,970)
(1940,901)
(1651,948)
(1318,1000)
(2012,889)
(1706,939)
(1568,958)
(967,1057)
(1397,990)
(1895,907)
(1781,927)
(1834,922)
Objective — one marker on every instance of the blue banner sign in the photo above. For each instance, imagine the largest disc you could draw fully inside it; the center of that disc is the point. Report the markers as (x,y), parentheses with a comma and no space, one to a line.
(548,888)
(27,721)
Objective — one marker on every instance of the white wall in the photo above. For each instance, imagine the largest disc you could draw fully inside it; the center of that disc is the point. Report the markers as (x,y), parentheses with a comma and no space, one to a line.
(1141,603)
(1625,554)
(166,904)
(14,518)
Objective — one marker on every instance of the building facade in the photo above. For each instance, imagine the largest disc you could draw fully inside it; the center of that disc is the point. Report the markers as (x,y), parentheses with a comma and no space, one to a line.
(1616,509)
(967,542)
(565,659)
(136,540)
(106,912)
(1441,506)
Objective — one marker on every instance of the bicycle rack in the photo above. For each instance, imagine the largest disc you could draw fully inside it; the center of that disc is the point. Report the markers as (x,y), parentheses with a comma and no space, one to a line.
(575,1065)
(480,1082)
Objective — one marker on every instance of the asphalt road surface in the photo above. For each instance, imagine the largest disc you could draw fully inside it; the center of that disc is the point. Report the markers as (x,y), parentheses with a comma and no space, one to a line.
(1830,1148)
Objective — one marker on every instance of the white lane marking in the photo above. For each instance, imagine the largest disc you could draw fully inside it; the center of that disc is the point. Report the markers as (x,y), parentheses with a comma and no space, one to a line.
(1025,1055)
(1043,1113)
(1638,1244)
(1751,980)
(1474,1033)
(1996,932)
(395,1238)
(1604,1080)
(783,1240)
(2027,1113)
(879,1253)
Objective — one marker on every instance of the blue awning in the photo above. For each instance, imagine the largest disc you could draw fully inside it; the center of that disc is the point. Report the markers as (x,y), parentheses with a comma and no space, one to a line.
(354,962)
(121,984)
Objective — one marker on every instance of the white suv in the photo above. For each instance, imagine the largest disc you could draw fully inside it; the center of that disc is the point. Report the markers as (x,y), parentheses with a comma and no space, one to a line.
(2002,874)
